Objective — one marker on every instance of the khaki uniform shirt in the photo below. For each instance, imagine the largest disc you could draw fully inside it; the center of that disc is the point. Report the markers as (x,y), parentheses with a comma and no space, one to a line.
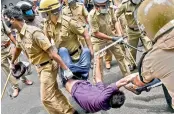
(101,23)
(78,13)
(159,62)
(127,8)
(34,43)
(52,31)
(69,36)
(4,39)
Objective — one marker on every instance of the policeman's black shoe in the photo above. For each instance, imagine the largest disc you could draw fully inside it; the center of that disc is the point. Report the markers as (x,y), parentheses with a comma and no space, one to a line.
(132,67)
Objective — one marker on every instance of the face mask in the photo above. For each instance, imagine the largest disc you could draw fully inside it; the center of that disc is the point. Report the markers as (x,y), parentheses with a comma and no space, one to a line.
(29,12)
(136,2)
(8,23)
(103,10)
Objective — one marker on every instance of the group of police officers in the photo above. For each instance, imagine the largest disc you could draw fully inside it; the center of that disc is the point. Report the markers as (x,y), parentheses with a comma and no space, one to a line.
(70,36)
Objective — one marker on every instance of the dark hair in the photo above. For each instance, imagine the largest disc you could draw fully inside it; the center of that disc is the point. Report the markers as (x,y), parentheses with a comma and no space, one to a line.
(117,99)
(4,6)
(13,12)
(10,4)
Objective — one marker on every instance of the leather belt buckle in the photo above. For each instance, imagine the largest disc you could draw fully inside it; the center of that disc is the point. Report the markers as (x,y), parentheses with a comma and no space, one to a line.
(42,64)
(74,52)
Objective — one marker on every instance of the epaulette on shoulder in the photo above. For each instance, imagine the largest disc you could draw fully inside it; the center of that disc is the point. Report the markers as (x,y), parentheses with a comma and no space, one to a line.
(32,29)
(124,1)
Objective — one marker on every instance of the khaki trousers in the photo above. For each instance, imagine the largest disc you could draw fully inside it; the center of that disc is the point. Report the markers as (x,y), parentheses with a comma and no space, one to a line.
(133,39)
(108,56)
(5,67)
(118,54)
(51,96)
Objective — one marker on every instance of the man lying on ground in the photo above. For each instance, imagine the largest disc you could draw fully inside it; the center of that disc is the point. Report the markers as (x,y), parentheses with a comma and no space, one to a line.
(93,98)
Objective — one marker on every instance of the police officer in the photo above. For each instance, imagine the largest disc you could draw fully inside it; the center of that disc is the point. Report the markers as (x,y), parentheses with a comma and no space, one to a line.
(52,23)
(157,20)
(101,20)
(77,11)
(69,46)
(6,56)
(127,7)
(40,52)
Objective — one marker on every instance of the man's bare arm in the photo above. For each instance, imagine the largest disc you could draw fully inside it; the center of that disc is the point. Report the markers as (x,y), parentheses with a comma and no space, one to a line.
(12,38)
(98,76)
(88,41)
(15,54)
(53,55)
(135,79)
(118,28)
(102,36)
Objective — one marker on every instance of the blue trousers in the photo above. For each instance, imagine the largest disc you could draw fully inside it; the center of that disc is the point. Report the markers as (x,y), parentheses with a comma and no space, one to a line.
(80,68)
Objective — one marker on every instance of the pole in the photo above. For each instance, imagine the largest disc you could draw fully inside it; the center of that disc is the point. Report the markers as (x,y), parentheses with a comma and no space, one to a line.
(5,86)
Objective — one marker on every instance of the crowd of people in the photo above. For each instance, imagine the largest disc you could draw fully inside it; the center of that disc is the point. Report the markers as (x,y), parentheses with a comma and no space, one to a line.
(65,35)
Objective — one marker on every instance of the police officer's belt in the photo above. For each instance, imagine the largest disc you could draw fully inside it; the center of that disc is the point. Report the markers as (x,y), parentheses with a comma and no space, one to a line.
(74,52)
(134,28)
(42,64)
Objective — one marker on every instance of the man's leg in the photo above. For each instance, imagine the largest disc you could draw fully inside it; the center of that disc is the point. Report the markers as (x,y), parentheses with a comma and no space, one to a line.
(120,57)
(52,98)
(133,39)
(128,59)
(84,63)
(5,66)
(82,66)
(108,59)
(63,53)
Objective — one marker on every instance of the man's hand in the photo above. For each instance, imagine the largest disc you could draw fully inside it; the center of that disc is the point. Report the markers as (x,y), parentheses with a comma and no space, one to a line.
(114,39)
(67,74)
(118,38)
(122,82)
(12,66)
(132,76)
